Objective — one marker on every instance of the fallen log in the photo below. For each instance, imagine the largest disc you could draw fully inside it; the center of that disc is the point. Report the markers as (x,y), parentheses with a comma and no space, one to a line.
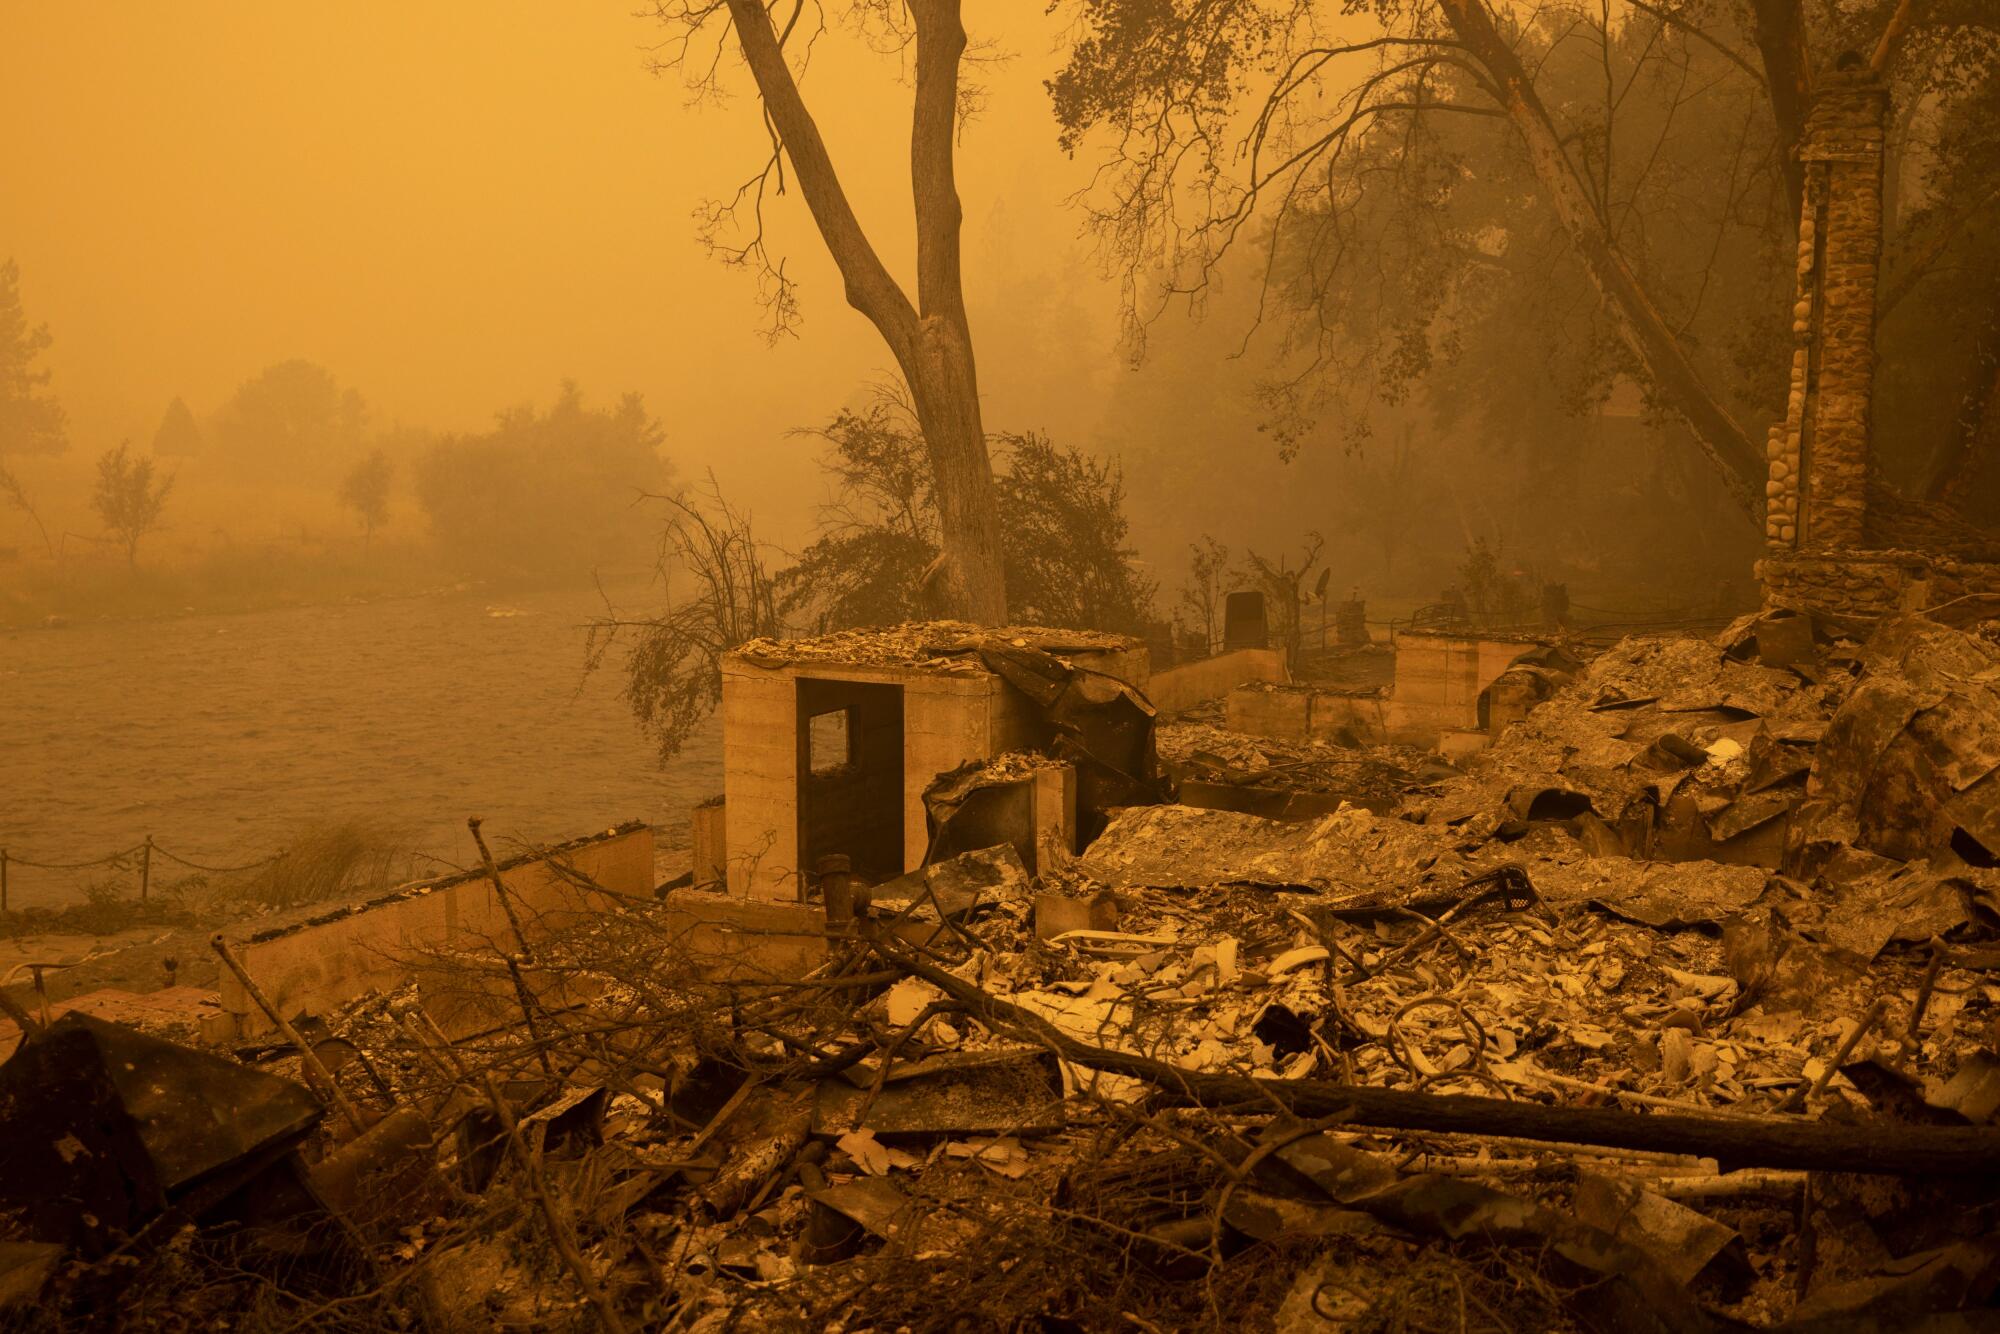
(1884,1147)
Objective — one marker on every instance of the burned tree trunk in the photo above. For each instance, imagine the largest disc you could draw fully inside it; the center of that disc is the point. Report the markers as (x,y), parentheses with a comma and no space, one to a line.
(946,389)
(931,339)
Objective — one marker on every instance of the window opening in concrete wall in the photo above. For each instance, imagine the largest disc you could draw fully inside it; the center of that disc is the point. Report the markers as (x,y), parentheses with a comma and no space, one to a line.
(850,777)
(829,743)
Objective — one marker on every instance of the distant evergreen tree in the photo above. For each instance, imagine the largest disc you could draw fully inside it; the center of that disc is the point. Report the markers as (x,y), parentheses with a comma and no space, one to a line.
(31,421)
(179,435)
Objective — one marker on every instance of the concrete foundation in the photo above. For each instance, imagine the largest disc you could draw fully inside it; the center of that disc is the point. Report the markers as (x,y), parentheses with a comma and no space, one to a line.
(1444,685)
(316,966)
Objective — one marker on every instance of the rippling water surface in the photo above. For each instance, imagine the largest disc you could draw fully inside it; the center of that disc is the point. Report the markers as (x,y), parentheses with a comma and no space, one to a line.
(220,735)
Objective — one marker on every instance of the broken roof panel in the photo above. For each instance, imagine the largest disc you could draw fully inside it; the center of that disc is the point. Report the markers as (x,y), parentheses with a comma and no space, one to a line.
(105,1125)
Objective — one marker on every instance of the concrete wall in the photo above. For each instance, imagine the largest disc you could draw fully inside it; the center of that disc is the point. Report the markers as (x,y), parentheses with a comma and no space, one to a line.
(731,939)
(1055,818)
(1298,712)
(1350,718)
(1211,678)
(760,780)
(948,718)
(318,965)
(1439,678)
(1437,687)
(1133,666)
(1285,713)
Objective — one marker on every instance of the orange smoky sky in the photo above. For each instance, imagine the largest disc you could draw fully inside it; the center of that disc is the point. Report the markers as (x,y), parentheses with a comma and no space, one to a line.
(454,204)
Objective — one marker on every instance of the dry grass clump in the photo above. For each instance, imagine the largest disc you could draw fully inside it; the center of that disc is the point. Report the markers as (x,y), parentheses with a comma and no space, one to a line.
(329,860)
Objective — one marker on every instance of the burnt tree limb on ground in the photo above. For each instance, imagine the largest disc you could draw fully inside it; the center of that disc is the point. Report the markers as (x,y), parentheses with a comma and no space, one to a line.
(1881,1147)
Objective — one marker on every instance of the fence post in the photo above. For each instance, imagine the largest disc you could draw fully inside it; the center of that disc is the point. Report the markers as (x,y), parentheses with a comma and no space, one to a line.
(145,868)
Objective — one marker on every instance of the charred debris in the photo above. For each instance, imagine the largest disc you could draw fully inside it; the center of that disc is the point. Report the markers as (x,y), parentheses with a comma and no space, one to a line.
(1673,1008)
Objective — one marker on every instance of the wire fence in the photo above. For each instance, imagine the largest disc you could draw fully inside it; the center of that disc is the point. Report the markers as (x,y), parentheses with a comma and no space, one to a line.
(137,859)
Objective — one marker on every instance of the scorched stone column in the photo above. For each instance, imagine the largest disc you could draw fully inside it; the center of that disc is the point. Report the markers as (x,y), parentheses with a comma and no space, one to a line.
(1818,487)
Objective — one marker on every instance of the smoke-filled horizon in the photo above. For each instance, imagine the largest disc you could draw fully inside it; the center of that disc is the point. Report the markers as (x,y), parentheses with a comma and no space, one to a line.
(479,238)
(455,208)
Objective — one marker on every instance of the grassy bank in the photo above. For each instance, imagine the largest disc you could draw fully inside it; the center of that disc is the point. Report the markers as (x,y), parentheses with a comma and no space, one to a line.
(226,579)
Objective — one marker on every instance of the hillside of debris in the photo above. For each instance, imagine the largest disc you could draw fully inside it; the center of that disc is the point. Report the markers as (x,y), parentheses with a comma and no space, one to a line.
(1675,1009)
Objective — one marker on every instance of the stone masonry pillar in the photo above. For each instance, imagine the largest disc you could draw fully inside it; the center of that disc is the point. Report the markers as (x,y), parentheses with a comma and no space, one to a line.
(1818,486)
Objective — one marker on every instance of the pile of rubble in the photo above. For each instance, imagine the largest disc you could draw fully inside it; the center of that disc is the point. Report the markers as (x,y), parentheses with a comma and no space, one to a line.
(1204,754)
(1577,1038)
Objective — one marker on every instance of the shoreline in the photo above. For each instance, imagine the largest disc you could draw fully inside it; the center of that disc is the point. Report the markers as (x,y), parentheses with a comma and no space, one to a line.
(55,621)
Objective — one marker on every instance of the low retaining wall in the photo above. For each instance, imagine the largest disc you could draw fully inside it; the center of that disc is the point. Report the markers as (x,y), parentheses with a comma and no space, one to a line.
(1439,681)
(319,964)
(1296,713)
(1439,678)
(1184,687)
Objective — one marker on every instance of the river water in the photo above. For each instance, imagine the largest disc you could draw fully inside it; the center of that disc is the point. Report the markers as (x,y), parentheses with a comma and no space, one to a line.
(223,735)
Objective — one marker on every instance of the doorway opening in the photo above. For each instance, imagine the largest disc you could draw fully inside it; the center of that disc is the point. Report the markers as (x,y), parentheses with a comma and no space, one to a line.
(850,777)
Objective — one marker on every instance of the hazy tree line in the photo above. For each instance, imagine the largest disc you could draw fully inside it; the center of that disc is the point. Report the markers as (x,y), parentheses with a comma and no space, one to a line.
(1500,214)
(562,491)
(541,493)
(1502,275)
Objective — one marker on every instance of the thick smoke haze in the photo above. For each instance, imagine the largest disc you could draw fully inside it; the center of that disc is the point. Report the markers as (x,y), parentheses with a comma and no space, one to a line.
(354,306)
(452,207)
